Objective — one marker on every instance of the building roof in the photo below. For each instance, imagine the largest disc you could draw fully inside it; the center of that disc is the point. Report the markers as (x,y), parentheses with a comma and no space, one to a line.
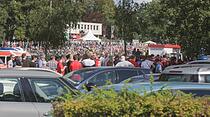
(164,46)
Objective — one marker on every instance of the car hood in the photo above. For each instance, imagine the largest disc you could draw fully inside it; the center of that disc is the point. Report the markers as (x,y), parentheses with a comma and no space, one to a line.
(148,87)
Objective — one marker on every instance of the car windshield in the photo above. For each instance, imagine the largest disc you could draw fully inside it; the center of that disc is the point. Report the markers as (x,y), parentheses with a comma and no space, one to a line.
(179,77)
(76,77)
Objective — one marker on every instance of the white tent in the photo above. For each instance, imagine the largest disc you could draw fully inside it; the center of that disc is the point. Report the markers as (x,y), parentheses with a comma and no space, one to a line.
(90,37)
(150,42)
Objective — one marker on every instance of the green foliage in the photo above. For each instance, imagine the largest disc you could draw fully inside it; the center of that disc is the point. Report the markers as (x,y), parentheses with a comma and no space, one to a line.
(100,10)
(127,103)
(38,20)
(183,22)
(126,18)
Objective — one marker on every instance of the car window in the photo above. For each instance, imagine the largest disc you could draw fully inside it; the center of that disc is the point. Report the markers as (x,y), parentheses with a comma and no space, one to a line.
(125,74)
(47,90)
(102,78)
(10,90)
(206,78)
(76,77)
(179,77)
(145,71)
(197,92)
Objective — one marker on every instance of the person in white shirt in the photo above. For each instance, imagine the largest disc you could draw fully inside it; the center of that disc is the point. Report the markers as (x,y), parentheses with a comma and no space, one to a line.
(10,62)
(87,61)
(124,63)
(147,64)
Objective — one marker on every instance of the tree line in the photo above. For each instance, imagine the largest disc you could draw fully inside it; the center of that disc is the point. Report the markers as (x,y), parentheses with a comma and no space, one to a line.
(184,22)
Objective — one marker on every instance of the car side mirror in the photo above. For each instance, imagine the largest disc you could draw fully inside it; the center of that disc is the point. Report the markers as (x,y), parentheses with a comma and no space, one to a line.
(89,86)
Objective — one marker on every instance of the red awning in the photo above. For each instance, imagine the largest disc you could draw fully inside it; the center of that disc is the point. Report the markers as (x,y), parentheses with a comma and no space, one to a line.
(5,53)
(164,46)
(9,53)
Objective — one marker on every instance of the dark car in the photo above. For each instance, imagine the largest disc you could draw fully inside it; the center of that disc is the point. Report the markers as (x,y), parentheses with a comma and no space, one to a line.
(142,78)
(27,92)
(99,76)
(197,89)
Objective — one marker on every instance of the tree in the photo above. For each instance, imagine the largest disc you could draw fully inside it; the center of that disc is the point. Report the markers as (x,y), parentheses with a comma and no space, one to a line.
(3,16)
(50,20)
(187,19)
(100,11)
(126,20)
(183,22)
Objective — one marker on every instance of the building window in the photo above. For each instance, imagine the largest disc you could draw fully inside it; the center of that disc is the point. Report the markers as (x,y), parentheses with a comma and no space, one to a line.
(85,26)
(81,26)
(78,26)
(88,27)
(96,27)
(91,27)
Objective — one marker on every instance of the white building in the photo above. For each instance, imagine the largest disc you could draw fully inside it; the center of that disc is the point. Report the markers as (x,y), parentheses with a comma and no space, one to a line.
(96,28)
(162,49)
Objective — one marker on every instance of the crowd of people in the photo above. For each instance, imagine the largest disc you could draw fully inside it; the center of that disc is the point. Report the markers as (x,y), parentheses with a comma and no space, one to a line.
(78,56)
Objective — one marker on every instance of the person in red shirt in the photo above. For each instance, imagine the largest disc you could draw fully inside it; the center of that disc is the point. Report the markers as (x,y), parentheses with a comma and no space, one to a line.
(133,61)
(96,59)
(75,65)
(60,66)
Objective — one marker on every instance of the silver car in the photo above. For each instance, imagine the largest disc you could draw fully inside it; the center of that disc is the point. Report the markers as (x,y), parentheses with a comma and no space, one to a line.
(28,92)
(186,73)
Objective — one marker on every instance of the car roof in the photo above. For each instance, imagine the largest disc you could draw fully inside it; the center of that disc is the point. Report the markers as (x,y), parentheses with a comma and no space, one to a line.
(187,66)
(146,86)
(94,69)
(29,72)
(185,69)
(199,61)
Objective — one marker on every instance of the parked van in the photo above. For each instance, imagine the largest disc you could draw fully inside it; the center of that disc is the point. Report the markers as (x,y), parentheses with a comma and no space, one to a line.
(186,73)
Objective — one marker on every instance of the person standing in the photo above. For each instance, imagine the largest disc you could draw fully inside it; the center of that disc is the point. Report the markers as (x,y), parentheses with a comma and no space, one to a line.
(158,66)
(60,65)
(42,63)
(75,65)
(25,61)
(133,61)
(10,63)
(33,62)
(87,61)
(147,64)
(124,63)
(52,64)
(68,63)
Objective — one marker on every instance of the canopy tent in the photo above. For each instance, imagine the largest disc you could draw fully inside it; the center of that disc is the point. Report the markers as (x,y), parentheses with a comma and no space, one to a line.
(90,37)
(149,42)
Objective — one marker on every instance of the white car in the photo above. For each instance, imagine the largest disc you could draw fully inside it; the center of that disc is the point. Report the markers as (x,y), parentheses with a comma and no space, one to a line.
(199,74)
(28,92)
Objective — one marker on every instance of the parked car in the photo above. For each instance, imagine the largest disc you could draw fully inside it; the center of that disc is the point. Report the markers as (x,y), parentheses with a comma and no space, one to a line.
(100,76)
(197,89)
(199,62)
(27,92)
(142,78)
(186,74)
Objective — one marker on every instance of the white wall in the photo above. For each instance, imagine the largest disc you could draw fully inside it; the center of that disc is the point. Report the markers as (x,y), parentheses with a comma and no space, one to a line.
(155,51)
(96,28)
(160,51)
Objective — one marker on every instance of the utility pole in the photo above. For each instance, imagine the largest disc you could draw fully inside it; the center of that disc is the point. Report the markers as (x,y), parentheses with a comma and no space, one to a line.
(123,27)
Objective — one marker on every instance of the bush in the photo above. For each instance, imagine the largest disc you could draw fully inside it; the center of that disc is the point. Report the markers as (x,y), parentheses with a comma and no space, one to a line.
(108,103)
